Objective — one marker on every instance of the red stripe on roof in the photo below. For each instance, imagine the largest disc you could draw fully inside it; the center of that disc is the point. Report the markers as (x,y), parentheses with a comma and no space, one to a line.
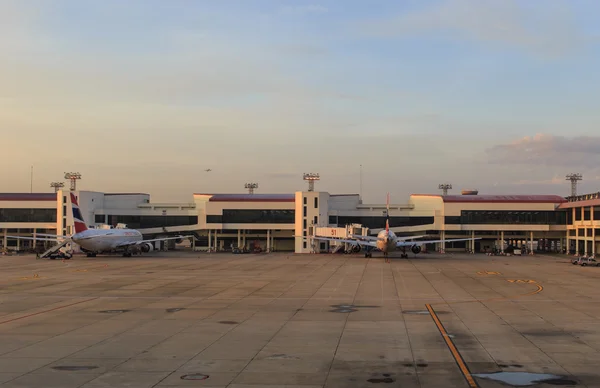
(27,196)
(497,198)
(589,202)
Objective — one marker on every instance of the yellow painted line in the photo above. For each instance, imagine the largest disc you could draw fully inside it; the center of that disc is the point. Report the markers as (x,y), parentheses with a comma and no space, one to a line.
(539,289)
(488,273)
(455,353)
(521,281)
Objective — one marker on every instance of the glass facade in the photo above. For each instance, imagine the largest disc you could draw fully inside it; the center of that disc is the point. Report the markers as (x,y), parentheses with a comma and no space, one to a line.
(27,215)
(143,222)
(377,222)
(508,217)
(251,216)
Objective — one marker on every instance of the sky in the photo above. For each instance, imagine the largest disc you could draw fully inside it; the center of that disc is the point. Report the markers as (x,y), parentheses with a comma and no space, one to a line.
(144,95)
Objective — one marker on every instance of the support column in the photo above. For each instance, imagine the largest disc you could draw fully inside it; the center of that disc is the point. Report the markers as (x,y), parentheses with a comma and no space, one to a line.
(18,241)
(472,241)
(209,240)
(531,242)
(5,239)
(239,238)
(585,241)
(576,241)
(244,238)
(34,244)
(502,241)
(593,242)
(268,240)
(272,242)
(216,241)
(443,246)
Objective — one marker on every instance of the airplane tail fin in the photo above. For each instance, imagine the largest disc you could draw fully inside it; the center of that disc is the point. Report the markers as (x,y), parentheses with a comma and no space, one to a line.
(77,217)
(387,213)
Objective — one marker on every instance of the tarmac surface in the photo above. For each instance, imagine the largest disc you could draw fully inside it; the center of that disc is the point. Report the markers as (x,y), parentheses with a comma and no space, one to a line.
(285,320)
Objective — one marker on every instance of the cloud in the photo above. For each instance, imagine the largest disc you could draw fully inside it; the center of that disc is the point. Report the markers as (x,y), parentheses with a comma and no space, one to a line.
(543,149)
(548,30)
(304,9)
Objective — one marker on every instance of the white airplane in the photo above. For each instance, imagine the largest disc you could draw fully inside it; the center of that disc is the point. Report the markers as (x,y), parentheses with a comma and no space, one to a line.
(94,241)
(386,240)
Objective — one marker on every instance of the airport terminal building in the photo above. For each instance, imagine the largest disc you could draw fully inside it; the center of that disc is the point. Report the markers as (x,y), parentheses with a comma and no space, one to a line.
(270,222)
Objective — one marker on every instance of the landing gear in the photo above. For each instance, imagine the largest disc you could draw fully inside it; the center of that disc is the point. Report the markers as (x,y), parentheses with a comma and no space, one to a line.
(386,257)
(368,254)
(91,254)
(126,254)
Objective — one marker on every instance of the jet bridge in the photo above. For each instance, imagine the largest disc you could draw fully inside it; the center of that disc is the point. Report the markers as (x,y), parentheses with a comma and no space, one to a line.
(341,233)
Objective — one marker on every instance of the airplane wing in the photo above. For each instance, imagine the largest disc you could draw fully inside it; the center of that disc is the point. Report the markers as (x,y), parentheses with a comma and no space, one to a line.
(406,243)
(39,238)
(132,243)
(359,237)
(353,242)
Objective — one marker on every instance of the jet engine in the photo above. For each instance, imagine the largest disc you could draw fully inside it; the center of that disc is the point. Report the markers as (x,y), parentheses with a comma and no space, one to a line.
(416,249)
(179,240)
(146,247)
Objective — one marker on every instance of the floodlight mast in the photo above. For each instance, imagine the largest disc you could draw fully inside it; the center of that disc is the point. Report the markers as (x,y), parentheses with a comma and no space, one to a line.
(251,187)
(311,178)
(574,178)
(57,186)
(445,187)
(73,177)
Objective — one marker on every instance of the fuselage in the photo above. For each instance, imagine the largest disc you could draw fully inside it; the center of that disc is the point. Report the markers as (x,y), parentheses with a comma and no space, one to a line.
(386,241)
(97,240)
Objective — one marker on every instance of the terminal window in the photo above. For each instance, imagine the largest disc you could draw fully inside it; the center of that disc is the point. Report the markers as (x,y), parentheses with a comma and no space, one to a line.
(250,216)
(27,215)
(316,202)
(513,217)
(143,222)
(376,222)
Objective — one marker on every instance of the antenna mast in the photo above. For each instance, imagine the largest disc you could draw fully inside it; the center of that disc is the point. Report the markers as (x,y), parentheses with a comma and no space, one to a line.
(57,186)
(445,187)
(73,177)
(251,187)
(361,183)
(311,178)
(574,178)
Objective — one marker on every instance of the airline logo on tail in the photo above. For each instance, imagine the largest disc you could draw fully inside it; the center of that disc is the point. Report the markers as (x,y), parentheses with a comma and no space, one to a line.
(77,217)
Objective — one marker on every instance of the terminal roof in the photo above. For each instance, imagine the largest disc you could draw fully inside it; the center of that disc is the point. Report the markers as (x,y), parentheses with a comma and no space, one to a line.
(27,196)
(126,194)
(498,198)
(589,202)
(251,197)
